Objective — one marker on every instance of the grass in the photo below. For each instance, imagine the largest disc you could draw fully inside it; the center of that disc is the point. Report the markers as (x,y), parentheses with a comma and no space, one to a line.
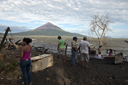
(8,67)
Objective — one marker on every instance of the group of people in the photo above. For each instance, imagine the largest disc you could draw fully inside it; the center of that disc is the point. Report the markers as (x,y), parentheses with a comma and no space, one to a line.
(84,49)
(100,55)
(25,52)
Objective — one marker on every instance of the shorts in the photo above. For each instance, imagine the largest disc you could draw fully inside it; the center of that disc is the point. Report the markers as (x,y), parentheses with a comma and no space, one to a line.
(61,50)
(84,56)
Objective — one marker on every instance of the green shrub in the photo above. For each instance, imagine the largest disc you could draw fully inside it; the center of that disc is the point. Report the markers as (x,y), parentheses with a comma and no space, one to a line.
(9,67)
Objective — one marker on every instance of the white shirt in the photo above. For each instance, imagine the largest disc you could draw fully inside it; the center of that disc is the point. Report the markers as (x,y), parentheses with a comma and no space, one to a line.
(99,57)
(84,46)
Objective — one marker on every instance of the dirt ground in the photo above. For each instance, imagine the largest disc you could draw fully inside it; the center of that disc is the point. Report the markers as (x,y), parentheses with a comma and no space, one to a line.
(98,73)
(63,73)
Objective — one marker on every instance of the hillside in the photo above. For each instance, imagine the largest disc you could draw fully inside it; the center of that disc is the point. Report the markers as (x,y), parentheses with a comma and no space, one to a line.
(1,33)
(48,29)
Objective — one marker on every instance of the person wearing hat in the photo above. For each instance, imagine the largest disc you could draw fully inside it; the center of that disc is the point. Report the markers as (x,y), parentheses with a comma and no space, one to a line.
(84,48)
(61,47)
(74,49)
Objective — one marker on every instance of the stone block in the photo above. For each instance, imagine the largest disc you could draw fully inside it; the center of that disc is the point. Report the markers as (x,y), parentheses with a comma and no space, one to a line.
(41,62)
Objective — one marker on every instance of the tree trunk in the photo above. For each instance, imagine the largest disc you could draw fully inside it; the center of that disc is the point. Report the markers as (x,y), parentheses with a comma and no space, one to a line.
(6,33)
(100,41)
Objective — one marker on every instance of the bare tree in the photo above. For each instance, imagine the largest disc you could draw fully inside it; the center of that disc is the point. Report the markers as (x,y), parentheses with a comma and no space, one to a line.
(100,26)
(90,35)
(104,40)
(5,35)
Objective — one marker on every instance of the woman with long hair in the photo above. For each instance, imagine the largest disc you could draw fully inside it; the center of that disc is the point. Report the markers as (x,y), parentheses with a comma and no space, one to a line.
(25,60)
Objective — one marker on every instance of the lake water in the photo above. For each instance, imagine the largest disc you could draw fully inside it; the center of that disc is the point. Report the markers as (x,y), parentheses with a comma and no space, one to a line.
(51,42)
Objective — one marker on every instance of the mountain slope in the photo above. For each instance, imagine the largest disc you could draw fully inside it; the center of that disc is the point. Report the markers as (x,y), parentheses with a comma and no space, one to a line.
(1,33)
(48,26)
(48,29)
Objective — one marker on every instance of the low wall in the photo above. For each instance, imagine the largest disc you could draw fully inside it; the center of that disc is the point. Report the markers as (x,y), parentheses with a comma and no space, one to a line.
(41,62)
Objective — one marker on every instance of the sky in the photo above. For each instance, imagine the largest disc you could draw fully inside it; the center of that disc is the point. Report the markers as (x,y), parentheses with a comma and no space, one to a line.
(70,15)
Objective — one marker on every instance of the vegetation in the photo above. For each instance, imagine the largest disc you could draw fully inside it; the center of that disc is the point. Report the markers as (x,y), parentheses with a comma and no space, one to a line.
(54,32)
(8,67)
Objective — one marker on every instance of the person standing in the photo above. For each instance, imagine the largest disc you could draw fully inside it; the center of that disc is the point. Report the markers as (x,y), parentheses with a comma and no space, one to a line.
(61,47)
(25,61)
(74,49)
(84,48)
(99,49)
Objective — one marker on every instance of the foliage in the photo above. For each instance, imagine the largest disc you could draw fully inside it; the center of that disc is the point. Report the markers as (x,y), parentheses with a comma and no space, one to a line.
(10,67)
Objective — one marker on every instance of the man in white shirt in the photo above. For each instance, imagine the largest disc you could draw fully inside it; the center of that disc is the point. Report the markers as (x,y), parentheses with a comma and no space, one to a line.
(84,48)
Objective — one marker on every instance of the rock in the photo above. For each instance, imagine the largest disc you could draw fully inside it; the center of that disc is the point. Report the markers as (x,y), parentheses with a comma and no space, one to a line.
(19,77)
(9,78)
(22,82)
(54,81)
(2,72)
(110,78)
(123,68)
(93,82)
(93,78)
(47,79)
(126,81)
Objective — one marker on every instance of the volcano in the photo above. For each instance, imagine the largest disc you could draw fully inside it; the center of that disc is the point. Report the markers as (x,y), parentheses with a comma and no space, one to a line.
(48,26)
(48,29)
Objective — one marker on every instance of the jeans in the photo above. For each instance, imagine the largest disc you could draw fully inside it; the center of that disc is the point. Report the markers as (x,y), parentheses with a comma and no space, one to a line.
(25,66)
(73,56)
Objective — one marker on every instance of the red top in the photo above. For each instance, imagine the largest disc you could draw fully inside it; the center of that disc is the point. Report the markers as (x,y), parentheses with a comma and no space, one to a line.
(110,54)
(26,55)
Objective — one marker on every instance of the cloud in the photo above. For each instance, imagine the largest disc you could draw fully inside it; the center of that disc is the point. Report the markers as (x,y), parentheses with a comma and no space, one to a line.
(64,11)
(14,28)
(83,31)
(119,33)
